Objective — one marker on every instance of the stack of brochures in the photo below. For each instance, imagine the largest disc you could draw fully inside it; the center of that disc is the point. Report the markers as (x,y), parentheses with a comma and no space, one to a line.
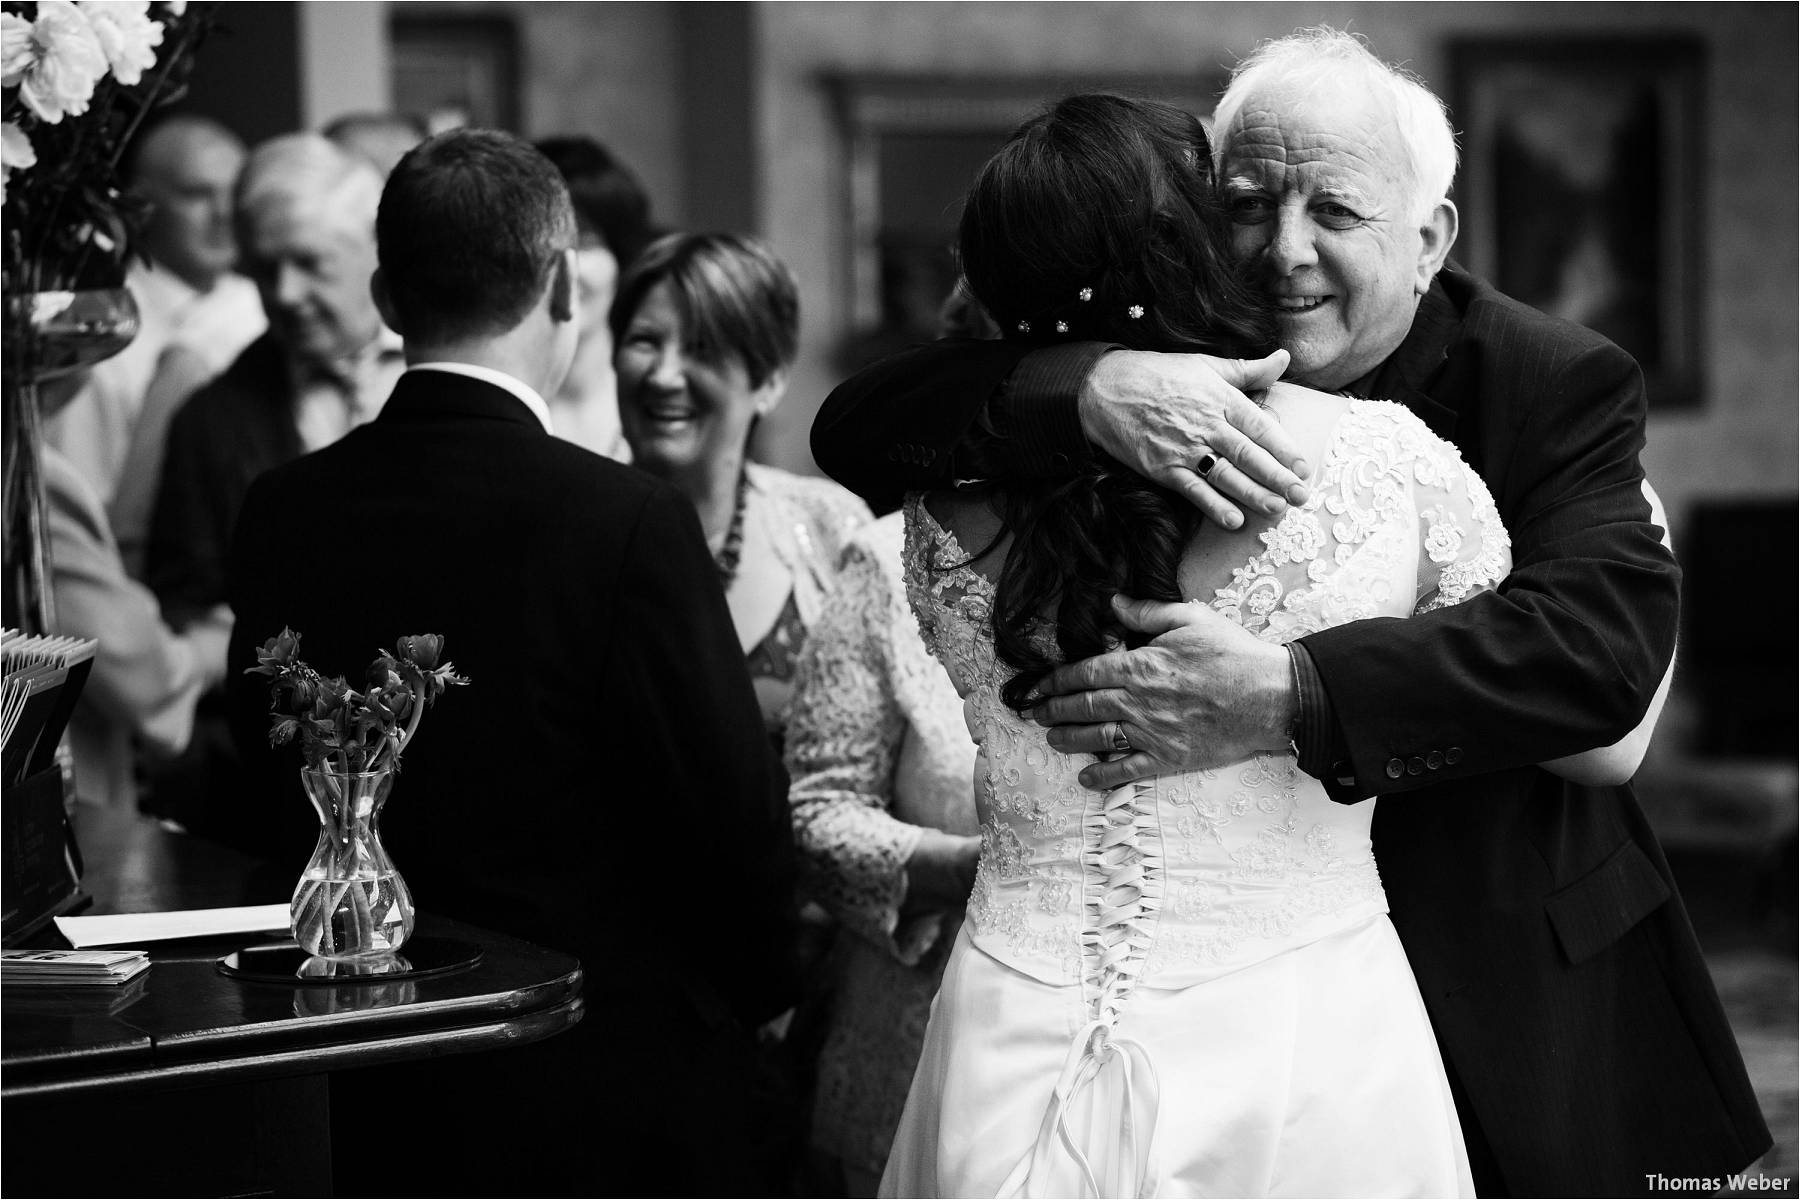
(40,680)
(71,968)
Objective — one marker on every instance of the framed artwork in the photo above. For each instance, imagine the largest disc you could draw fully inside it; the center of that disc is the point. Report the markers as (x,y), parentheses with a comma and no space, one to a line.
(1580,188)
(913,144)
(457,71)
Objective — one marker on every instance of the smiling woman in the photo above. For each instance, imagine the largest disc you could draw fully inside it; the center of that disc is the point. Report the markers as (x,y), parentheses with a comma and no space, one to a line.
(704,329)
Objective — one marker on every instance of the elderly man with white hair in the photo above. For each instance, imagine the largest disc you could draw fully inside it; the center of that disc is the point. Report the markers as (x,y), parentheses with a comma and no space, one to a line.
(306,232)
(1585,1043)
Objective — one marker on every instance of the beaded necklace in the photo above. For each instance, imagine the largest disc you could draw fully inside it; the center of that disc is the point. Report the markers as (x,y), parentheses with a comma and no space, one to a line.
(726,560)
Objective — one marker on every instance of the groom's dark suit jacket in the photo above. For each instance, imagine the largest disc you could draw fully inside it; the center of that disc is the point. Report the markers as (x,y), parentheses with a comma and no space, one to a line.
(602,786)
(1557,961)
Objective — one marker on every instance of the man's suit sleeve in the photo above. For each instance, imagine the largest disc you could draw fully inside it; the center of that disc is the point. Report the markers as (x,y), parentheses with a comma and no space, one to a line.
(954,408)
(697,738)
(1570,650)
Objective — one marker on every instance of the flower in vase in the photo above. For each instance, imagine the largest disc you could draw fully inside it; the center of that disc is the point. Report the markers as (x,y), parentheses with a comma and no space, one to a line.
(127,34)
(54,61)
(278,652)
(339,726)
(16,154)
(422,650)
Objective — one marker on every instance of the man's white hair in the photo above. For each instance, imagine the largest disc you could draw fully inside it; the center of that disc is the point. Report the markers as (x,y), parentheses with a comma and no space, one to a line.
(1328,64)
(305,169)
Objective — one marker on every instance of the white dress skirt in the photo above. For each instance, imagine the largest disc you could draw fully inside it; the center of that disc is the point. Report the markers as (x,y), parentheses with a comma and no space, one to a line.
(1312,1073)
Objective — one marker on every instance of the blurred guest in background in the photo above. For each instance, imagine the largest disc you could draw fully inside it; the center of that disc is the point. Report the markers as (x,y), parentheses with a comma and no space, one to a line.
(604,698)
(612,213)
(191,307)
(146,678)
(381,137)
(306,226)
(884,815)
(704,328)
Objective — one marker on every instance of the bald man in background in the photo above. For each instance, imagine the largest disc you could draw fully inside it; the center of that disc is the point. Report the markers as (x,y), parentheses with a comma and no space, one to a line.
(191,304)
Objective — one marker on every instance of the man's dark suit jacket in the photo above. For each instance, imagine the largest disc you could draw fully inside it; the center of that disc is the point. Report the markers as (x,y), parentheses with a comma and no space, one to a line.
(602,786)
(228,433)
(1558,964)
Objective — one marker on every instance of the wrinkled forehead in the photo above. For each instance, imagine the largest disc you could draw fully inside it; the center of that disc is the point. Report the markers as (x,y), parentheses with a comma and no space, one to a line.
(1285,141)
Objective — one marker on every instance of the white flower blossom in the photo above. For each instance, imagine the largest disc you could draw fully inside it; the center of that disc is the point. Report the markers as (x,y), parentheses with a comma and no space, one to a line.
(127,34)
(16,154)
(54,61)
(175,7)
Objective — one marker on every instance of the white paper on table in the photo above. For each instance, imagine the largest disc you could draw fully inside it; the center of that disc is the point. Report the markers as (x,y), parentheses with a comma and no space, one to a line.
(122,928)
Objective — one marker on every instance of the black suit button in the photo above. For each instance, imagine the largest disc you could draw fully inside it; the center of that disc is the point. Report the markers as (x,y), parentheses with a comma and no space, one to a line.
(1395,768)
(893,454)
(1415,766)
(1453,755)
(930,455)
(1433,761)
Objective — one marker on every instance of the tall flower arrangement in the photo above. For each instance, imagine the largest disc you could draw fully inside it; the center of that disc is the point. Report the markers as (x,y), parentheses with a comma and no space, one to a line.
(77,79)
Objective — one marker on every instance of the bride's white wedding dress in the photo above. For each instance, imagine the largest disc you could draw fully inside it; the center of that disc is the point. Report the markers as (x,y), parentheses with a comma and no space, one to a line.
(1189,986)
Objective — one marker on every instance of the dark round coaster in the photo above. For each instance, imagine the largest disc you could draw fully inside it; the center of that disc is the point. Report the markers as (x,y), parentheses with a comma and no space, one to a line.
(284,962)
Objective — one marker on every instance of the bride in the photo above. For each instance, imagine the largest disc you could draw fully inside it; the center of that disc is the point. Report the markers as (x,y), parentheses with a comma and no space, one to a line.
(1188,986)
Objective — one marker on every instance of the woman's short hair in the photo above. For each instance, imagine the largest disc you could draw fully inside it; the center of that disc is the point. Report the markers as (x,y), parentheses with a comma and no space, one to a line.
(609,201)
(470,227)
(735,298)
(1098,221)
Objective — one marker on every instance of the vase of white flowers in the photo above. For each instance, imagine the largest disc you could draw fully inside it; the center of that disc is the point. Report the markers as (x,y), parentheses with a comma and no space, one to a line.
(351,902)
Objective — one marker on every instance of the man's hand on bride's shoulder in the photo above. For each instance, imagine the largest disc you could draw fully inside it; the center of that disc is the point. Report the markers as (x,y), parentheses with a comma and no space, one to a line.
(1204,692)
(1171,416)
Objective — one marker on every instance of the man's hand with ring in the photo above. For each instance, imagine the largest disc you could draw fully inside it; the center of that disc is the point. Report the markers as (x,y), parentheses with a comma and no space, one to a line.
(1162,414)
(1203,693)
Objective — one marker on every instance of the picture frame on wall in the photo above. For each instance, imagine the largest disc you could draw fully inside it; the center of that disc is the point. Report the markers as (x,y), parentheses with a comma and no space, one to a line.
(1579,188)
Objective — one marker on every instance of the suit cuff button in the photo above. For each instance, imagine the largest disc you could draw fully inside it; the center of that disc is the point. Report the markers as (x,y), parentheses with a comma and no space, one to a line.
(1453,755)
(1415,766)
(1434,761)
(1395,768)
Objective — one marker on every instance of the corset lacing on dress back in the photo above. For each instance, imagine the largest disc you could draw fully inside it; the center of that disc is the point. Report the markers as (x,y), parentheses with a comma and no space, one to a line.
(1177,880)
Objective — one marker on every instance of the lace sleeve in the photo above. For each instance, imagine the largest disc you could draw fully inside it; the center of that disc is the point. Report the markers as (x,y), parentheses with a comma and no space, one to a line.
(844,735)
(1463,546)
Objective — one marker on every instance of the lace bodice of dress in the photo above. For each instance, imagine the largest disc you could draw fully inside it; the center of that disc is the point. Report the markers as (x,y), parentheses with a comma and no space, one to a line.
(1185,877)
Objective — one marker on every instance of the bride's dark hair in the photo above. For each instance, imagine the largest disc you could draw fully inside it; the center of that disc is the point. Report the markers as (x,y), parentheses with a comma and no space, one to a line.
(1098,221)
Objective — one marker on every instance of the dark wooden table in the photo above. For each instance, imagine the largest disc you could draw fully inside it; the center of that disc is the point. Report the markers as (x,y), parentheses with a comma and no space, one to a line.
(186,1081)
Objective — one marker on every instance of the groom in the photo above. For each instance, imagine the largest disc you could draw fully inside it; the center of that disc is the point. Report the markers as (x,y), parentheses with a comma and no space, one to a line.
(602,786)
(1580,1029)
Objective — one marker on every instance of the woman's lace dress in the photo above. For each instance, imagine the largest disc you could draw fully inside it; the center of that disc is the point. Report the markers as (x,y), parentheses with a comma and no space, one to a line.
(1189,986)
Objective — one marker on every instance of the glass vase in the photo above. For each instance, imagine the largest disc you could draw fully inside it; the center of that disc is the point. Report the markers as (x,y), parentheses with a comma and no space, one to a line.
(48,336)
(351,902)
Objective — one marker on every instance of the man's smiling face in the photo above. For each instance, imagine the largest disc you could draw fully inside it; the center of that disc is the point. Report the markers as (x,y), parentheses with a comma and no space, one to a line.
(1323,204)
